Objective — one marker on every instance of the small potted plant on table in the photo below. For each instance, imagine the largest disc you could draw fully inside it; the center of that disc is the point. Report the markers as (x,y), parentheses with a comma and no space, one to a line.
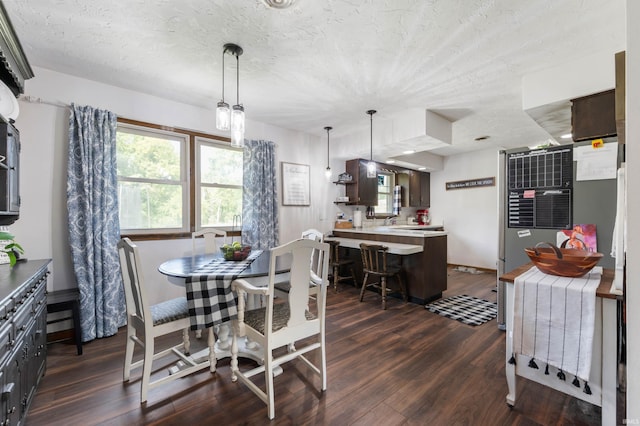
(10,248)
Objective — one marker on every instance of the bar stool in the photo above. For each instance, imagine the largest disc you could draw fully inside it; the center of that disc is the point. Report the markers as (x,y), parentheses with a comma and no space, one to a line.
(335,263)
(374,264)
(67,300)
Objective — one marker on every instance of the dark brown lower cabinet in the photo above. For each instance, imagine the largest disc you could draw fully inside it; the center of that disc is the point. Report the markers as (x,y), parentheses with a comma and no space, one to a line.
(23,336)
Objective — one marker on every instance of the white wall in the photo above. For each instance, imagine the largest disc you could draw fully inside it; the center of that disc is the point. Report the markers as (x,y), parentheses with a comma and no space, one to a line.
(633,209)
(470,216)
(569,80)
(42,227)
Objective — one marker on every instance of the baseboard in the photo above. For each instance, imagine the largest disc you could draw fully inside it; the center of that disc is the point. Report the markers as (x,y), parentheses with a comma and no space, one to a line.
(487,270)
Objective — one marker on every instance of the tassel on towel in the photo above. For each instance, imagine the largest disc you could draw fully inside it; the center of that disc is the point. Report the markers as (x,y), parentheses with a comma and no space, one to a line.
(546,370)
(512,360)
(561,375)
(576,382)
(587,389)
(533,364)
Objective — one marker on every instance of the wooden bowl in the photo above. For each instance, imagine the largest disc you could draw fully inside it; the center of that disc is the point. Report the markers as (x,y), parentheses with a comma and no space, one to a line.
(563,262)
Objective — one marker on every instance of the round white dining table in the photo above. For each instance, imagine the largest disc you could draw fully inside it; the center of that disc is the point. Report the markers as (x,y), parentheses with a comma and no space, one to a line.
(257,273)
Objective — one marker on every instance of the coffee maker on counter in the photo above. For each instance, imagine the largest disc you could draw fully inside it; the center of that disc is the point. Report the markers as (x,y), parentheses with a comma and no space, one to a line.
(423,217)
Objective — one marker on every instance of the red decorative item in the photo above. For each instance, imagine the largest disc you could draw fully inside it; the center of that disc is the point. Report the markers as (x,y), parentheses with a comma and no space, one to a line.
(422,216)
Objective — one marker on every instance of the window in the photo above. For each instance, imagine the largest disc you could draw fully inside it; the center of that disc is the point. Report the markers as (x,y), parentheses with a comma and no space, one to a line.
(219,199)
(385,193)
(152,180)
(172,181)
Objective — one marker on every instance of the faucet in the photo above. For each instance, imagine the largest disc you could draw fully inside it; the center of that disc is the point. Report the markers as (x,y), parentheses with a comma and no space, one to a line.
(391,220)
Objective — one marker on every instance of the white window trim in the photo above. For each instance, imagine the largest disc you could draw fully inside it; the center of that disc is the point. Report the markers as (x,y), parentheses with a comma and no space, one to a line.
(392,182)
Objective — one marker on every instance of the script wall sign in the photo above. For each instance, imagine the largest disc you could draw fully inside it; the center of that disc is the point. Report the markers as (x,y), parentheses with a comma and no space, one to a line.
(471,183)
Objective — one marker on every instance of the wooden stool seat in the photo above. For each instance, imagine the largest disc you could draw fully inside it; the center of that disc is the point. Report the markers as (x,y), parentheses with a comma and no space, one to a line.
(67,300)
(336,264)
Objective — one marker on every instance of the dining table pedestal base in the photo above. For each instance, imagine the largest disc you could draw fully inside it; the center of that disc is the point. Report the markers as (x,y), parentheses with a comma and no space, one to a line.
(222,348)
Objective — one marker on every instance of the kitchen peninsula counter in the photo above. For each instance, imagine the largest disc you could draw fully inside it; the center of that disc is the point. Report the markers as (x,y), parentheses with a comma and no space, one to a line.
(425,272)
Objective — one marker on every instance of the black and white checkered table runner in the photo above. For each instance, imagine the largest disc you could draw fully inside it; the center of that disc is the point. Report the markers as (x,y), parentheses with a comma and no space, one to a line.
(209,294)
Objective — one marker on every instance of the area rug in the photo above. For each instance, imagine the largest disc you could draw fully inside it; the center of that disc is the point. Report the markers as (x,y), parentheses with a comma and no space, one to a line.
(467,309)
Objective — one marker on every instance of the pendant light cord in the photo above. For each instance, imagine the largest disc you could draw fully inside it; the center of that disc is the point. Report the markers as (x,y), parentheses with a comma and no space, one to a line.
(223,53)
(371,137)
(328,128)
(237,79)
(371,112)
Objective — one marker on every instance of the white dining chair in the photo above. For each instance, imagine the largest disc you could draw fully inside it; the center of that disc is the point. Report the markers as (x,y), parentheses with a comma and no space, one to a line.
(315,264)
(281,324)
(145,322)
(209,236)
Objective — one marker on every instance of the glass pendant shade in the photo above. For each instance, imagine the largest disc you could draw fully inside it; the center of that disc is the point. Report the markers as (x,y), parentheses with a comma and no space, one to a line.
(237,126)
(223,116)
(371,169)
(327,172)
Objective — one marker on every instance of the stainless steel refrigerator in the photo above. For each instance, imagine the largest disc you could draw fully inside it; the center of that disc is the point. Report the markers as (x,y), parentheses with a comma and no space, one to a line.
(539,195)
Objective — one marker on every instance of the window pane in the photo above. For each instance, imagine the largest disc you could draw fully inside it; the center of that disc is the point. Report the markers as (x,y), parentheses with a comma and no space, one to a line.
(148,205)
(385,188)
(149,157)
(221,166)
(383,183)
(383,203)
(219,205)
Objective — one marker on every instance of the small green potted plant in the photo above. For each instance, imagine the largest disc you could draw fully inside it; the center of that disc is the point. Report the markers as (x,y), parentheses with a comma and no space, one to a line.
(10,247)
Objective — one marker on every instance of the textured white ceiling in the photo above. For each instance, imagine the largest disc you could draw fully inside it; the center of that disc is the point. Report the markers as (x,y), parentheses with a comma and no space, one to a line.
(322,63)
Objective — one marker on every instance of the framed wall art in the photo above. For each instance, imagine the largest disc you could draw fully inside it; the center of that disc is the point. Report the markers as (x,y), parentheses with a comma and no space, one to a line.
(295,184)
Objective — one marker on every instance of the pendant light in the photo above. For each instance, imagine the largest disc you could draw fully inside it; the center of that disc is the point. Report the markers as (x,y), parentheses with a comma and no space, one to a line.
(327,172)
(237,111)
(223,113)
(371,167)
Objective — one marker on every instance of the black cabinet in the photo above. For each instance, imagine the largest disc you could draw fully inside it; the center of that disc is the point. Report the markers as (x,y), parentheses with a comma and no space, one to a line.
(364,190)
(9,172)
(23,322)
(419,189)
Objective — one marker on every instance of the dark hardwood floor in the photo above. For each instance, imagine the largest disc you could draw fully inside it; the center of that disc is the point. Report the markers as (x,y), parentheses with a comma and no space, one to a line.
(402,366)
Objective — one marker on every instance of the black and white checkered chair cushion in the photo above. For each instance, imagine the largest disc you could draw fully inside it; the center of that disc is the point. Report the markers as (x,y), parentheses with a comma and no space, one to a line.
(170,310)
(281,313)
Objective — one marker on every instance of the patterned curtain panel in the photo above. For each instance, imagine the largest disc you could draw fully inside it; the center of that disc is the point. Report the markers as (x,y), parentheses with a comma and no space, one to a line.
(94,229)
(260,195)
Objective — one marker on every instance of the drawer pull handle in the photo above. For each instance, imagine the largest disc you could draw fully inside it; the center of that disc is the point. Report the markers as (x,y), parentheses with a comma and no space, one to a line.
(6,391)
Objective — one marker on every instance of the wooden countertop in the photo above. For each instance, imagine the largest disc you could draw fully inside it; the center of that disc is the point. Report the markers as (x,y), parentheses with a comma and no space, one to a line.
(604,289)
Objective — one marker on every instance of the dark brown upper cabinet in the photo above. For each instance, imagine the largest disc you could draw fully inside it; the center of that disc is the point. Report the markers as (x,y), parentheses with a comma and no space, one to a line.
(593,116)
(364,191)
(419,189)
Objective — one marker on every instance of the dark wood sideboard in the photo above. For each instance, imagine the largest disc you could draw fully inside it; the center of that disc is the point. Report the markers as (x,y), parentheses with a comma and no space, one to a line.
(23,336)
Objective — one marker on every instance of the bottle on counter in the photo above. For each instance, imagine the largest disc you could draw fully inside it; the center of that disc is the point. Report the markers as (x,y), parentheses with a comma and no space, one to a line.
(357,218)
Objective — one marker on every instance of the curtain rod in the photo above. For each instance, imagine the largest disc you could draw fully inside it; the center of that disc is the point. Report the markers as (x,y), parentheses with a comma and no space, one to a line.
(37,100)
